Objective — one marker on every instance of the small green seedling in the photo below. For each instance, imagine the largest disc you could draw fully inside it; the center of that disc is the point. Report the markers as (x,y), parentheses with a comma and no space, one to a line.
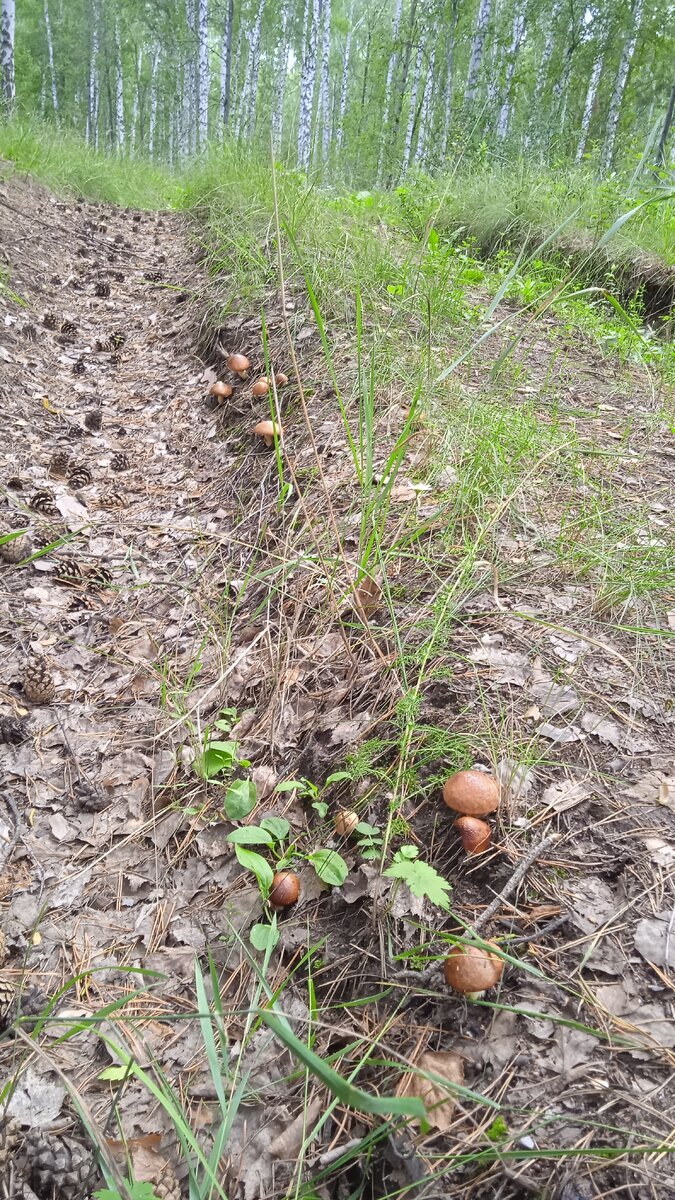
(370,840)
(422,879)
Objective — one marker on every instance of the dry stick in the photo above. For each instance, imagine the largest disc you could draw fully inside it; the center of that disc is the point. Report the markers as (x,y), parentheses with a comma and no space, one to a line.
(519,874)
(317,457)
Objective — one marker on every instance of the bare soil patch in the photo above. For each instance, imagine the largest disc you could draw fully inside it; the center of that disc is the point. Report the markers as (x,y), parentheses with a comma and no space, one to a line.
(192,585)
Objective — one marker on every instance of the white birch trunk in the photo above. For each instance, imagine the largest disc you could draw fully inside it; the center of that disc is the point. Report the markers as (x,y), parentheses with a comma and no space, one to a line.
(562,85)
(280,73)
(152,126)
(226,65)
(477,49)
(7,52)
(203,76)
(422,152)
(345,80)
(393,59)
(307,87)
(133,128)
(407,151)
(620,85)
(324,90)
(50,54)
(189,138)
(92,108)
(254,71)
(516,39)
(119,92)
(547,53)
(449,77)
(591,93)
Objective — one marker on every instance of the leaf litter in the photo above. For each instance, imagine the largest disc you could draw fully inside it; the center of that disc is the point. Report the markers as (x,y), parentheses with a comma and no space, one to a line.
(148,880)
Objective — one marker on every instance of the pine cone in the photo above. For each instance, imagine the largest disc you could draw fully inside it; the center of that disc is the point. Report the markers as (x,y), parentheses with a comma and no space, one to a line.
(93,420)
(68,329)
(100,577)
(30,332)
(11,1138)
(115,360)
(31,1002)
(17,549)
(79,367)
(119,276)
(7,1000)
(12,731)
(104,346)
(154,276)
(165,1185)
(59,463)
(119,462)
(59,1167)
(50,320)
(83,602)
(80,476)
(68,570)
(113,498)
(117,339)
(118,239)
(102,289)
(38,682)
(43,502)
(90,797)
(44,537)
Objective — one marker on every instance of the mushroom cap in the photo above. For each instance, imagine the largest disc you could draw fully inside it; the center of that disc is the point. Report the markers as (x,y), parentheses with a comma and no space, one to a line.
(285,889)
(472,793)
(472,969)
(267,430)
(261,386)
(238,362)
(280,379)
(476,835)
(220,389)
(346,822)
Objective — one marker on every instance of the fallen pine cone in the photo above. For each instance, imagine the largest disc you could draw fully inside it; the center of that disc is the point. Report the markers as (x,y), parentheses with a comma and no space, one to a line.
(59,1166)
(113,498)
(17,548)
(68,570)
(7,999)
(102,289)
(79,367)
(93,420)
(12,731)
(50,320)
(38,681)
(43,502)
(59,463)
(119,462)
(80,476)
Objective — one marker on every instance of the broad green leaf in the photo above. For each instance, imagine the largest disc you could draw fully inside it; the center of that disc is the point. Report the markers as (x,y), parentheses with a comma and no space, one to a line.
(250,835)
(337,776)
(329,866)
(257,864)
(113,1073)
(422,880)
(278,826)
(264,937)
(240,799)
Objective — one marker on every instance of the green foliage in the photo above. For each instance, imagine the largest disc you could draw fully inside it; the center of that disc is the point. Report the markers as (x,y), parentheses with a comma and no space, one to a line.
(421,878)
(135,1191)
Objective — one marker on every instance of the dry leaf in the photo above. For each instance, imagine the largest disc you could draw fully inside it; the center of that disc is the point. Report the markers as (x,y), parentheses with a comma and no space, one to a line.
(565,794)
(438,1096)
(287,1144)
(367,597)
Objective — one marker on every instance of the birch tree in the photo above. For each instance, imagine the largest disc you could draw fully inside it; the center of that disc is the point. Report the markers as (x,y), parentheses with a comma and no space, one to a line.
(280,73)
(254,71)
(516,38)
(449,75)
(400,82)
(226,65)
(7,52)
(307,85)
(422,151)
(627,53)
(391,67)
(203,77)
(50,55)
(670,113)
(91,127)
(152,126)
(477,51)
(591,93)
(407,150)
(324,96)
(345,79)
(119,92)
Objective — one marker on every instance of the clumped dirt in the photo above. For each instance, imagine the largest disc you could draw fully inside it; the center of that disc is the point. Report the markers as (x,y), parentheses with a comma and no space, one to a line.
(178,580)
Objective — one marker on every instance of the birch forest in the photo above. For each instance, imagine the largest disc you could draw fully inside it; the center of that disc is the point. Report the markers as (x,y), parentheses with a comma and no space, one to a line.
(367,90)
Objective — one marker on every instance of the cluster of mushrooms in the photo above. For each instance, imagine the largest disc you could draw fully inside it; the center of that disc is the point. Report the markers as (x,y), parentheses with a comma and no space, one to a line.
(240,366)
(469,969)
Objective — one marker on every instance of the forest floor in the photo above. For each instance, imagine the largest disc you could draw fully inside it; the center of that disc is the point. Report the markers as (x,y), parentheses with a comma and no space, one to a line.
(186,582)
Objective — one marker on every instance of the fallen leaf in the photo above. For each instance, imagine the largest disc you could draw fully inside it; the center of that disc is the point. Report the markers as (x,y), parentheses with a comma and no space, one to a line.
(446,1069)
(506,666)
(561,733)
(606,731)
(655,937)
(287,1144)
(564,795)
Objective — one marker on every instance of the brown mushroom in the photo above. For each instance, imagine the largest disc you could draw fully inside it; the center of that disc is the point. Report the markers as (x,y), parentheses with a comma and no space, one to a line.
(280,379)
(472,793)
(268,430)
(476,835)
(285,889)
(261,387)
(220,390)
(471,970)
(346,822)
(239,364)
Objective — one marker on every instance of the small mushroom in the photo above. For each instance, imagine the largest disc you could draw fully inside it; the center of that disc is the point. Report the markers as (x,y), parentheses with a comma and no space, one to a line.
(268,430)
(261,387)
(476,835)
(472,793)
(239,364)
(220,390)
(471,970)
(280,379)
(346,822)
(285,889)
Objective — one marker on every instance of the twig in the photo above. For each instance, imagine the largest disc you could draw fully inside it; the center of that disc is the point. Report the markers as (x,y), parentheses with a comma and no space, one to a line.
(519,874)
(7,850)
